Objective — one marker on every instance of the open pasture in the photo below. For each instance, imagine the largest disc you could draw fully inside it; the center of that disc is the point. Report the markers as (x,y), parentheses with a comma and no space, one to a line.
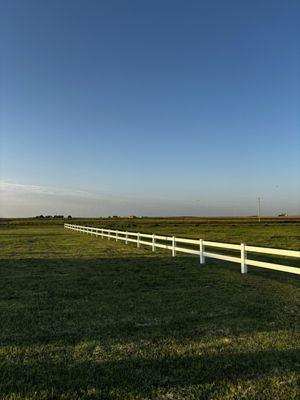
(86,318)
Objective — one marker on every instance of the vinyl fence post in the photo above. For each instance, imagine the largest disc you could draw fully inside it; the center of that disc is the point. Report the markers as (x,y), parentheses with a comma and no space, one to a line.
(116,236)
(126,238)
(173,246)
(102,233)
(138,240)
(244,268)
(153,242)
(201,252)
(108,234)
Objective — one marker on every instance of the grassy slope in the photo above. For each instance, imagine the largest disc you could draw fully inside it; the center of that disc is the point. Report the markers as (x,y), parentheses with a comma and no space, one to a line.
(88,318)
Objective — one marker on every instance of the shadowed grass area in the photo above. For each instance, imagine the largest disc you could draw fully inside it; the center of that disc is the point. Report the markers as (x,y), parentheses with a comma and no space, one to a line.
(86,318)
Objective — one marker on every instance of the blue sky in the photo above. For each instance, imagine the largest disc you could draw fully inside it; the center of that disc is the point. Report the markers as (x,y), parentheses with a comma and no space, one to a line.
(152,108)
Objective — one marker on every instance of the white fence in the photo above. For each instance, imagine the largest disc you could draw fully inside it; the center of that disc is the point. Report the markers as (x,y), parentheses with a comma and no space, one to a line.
(198,247)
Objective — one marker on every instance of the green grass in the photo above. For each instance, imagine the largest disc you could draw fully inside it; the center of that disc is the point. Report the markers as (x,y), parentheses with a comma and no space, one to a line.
(86,318)
(271,232)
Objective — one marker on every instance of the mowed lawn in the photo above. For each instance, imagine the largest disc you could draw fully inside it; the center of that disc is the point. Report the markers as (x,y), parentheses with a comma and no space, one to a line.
(87,318)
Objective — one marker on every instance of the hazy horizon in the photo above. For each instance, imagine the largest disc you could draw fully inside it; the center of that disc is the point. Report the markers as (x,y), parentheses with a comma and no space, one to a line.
(36,200)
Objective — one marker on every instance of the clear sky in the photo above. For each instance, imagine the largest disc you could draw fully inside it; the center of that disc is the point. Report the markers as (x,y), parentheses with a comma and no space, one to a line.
(149,107)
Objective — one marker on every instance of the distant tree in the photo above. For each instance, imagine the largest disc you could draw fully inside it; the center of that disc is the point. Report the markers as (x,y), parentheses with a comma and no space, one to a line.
(69,216)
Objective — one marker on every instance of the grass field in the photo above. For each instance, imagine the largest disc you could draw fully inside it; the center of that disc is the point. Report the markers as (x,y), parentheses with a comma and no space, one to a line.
(85,318)
(271,232)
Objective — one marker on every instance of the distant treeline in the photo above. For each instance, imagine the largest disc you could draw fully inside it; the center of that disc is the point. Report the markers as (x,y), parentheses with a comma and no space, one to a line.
(52,216)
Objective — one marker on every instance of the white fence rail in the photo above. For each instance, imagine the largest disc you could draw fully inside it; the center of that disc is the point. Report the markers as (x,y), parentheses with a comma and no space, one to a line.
(197,247)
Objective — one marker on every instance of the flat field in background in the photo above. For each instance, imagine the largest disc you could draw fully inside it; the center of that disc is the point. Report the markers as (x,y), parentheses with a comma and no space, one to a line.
(283,232)
(87,318)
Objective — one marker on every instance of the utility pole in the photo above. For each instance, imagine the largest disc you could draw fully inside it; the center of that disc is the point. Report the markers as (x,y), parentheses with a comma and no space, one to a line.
(258,209)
